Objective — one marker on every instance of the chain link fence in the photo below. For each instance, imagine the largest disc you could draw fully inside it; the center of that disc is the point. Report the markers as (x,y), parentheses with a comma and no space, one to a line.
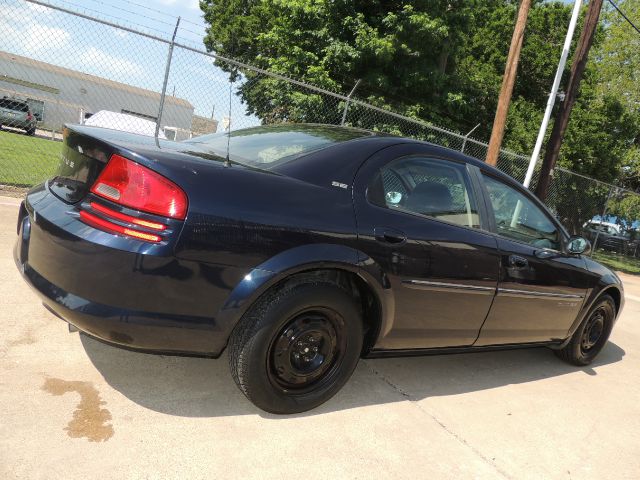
(65,63)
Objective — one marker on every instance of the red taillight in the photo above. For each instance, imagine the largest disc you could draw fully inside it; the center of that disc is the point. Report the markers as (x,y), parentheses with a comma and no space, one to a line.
(29,116)
(130,184)
(103,224)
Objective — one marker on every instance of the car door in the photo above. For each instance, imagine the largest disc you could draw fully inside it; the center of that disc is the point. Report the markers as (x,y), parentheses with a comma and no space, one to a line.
(541,288)
(419,219)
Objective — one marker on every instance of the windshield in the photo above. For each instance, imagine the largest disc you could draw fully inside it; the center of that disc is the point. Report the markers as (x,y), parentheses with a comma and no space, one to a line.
(270,145)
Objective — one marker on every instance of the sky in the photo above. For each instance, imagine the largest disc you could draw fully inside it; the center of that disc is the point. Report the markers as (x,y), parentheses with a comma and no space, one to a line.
(69,41)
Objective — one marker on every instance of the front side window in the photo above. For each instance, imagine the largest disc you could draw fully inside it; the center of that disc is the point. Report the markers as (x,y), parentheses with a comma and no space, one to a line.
(519,218)
(425,186)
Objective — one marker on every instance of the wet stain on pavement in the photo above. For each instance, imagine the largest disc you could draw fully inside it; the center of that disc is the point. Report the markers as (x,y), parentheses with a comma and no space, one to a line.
(89,419)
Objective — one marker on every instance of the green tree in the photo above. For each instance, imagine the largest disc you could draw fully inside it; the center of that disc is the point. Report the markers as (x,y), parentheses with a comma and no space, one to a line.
(440,61)
(618,60)
(626,207)
(436,60)
(618,55)
(396,47)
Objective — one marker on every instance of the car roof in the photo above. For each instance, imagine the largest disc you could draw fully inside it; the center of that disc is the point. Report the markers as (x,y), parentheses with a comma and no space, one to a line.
(382,139)
(324,166)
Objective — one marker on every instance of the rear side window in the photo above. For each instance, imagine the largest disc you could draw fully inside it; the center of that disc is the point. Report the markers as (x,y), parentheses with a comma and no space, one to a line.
(519,218)
(268,146)
(14,105)
(425,186)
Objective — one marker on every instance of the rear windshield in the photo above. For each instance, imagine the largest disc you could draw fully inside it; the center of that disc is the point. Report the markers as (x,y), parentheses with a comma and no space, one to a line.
(268,146)
(14,105)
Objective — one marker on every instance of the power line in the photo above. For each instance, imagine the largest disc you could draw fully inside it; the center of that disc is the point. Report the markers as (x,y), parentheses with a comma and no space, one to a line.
(134,13)
(123,21)
(624,16)
(163,13)
(98,14)
(151,18)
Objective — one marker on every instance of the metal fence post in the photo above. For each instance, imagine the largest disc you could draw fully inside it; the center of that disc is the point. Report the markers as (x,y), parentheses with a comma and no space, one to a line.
(166,78)
(604,212)
(346,105)
(464,140)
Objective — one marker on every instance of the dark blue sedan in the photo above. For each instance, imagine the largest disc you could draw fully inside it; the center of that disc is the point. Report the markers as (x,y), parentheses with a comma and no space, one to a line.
(300,249)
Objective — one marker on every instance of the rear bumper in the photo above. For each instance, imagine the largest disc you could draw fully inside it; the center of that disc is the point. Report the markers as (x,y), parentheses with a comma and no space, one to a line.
(126,296)
(137,330)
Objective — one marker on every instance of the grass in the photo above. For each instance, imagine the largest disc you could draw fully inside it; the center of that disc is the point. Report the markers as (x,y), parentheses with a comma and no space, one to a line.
(26,161)
(615,261)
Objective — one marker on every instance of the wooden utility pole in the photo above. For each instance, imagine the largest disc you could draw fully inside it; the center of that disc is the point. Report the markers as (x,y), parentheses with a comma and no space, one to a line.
(508,80)
(562,118)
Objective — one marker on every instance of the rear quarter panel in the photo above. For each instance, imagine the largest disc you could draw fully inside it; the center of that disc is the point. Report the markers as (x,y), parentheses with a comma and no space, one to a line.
(244,217)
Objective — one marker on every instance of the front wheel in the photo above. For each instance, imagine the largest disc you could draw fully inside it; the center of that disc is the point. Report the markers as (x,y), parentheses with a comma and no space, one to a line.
(591,335)
(296,347)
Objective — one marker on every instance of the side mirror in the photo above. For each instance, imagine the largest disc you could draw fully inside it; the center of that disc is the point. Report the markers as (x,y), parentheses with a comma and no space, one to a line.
(579,246)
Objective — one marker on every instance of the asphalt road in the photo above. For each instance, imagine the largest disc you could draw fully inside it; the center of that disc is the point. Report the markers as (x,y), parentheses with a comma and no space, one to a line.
(74,408)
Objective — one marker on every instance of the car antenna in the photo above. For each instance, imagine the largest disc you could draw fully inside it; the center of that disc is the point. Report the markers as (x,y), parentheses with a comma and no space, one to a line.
(227,160)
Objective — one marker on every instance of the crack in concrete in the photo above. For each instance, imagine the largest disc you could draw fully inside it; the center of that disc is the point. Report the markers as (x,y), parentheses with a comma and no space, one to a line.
(414,401)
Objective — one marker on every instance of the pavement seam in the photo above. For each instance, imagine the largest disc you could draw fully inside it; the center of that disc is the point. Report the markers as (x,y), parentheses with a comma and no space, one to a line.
(414,402)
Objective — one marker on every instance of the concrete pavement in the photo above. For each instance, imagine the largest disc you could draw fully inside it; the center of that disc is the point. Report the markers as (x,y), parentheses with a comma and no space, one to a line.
(71,407)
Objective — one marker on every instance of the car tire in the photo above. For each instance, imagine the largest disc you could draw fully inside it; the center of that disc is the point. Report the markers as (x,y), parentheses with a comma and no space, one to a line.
(591,335)
(31,132)
(297,346)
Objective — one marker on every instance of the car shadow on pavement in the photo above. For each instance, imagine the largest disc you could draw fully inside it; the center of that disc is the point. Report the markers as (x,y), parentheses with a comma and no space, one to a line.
(201,387)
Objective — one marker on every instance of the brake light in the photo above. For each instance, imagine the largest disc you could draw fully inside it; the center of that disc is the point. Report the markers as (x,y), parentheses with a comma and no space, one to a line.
(29,116)
(130,184)
(103,224)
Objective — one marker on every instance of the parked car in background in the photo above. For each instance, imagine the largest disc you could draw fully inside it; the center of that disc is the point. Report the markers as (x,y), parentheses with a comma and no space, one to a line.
(607,235)
(124,123)
(301,248)
(16,113)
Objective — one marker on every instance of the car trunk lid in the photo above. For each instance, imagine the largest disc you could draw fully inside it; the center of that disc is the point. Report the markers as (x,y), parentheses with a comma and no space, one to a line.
(87,150)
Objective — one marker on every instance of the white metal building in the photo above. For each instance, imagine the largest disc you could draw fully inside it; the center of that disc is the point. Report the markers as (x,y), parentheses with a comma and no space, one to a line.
(59,95)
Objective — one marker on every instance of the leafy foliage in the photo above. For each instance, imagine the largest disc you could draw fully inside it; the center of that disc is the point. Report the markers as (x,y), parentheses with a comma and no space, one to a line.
(626,208)
(440,61)
(618,63)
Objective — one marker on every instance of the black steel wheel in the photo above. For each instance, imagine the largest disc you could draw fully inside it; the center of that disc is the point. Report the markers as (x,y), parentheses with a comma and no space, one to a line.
(593,330)
(592,334)
(307,349)
(297,346)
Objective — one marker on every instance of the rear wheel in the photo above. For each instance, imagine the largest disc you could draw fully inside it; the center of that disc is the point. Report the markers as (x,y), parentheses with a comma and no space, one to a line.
(296,347)
(591,335)
(31,131)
